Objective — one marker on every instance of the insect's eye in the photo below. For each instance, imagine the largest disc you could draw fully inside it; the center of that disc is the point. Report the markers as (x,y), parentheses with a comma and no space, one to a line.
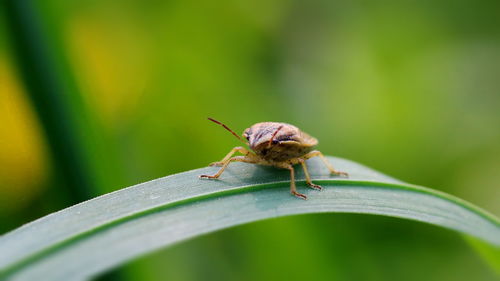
(247,137)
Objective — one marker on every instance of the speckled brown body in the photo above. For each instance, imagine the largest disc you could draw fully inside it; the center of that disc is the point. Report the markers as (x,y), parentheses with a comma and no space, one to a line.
(275,144)
(288,143)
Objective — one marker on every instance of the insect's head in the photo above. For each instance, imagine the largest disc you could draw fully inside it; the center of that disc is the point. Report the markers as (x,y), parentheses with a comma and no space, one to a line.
(268,134)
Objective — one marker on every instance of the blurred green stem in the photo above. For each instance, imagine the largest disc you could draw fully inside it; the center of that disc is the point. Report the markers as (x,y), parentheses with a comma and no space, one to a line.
(70,130)
(48,94)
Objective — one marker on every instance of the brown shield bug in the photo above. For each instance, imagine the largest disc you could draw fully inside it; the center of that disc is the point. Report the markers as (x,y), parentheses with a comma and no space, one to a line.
(275,144)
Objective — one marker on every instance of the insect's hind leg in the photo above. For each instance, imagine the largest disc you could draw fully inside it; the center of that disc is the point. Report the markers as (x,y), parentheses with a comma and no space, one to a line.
(315,153)
(240,149)
(226,163)
(308,177)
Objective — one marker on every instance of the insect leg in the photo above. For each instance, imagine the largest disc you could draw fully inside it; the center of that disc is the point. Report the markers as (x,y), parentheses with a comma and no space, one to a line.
(315,153)
(224,166)
(308,177)
(240,149)
(293,188)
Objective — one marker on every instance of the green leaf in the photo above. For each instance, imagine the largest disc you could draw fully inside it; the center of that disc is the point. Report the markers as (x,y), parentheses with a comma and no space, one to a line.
(102,233)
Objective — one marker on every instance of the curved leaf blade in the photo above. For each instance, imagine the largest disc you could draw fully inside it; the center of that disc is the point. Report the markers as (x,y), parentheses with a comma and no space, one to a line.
(104,232)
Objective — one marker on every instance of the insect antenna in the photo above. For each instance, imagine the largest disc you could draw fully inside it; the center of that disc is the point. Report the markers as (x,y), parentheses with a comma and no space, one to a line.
(274,134)
(227,128)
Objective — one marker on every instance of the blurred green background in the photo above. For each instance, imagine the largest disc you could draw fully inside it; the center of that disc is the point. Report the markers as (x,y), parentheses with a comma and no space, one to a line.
(410,88)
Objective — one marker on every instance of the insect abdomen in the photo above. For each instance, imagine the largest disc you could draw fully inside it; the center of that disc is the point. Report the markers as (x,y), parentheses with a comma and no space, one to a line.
(283,152)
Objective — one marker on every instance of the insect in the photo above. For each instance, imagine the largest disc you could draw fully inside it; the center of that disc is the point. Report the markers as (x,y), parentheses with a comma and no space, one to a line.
(275,144)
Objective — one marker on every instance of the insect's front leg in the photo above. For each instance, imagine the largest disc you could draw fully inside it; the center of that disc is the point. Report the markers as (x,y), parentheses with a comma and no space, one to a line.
(247,159)
(308,177)
(293,187)
(240,149)
(315,153)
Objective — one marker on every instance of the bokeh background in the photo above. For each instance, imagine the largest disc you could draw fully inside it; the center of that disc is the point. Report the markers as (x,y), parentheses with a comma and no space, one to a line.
(99,95)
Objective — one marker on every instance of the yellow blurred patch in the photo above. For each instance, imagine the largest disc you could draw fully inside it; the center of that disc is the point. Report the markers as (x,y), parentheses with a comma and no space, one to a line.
(23,154)
(112,63)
